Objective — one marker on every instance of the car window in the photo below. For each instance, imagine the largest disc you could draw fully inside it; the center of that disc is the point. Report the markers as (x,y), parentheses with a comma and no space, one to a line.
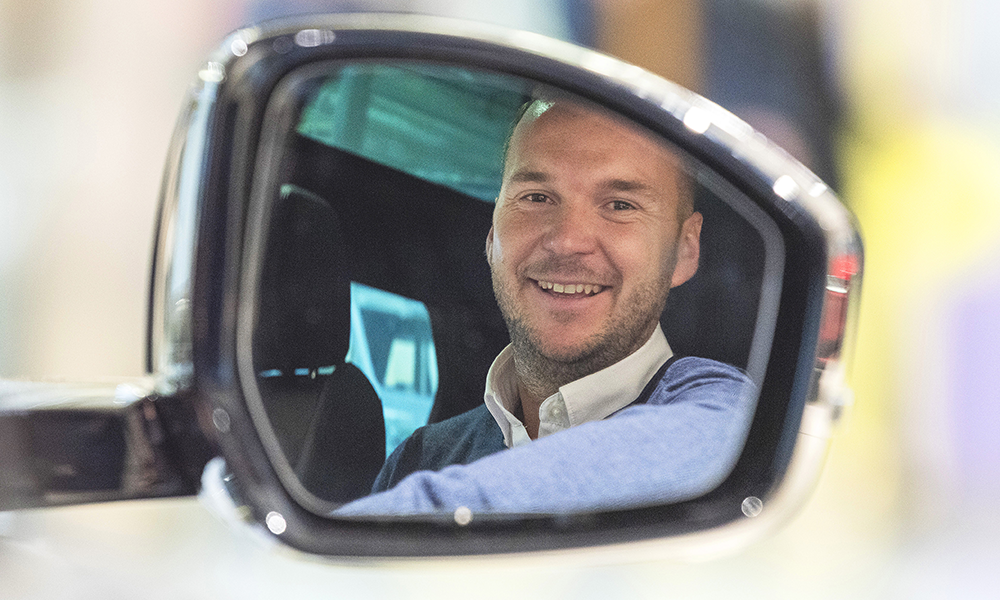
(441,124)
(392,344)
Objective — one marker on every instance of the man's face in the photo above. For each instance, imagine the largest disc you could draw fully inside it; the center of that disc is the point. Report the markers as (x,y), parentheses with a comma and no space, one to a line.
(587,238)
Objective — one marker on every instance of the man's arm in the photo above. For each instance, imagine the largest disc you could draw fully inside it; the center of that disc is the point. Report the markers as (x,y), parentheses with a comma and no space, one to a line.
(680,444)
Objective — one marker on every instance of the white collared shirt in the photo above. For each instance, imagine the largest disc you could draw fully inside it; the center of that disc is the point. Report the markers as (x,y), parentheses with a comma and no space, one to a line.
(589,398)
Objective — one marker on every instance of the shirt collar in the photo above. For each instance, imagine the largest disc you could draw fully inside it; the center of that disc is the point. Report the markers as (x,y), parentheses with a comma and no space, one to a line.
(590,398)
(501,398)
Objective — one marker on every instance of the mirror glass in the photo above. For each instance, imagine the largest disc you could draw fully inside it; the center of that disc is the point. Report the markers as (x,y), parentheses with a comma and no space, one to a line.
(369,310)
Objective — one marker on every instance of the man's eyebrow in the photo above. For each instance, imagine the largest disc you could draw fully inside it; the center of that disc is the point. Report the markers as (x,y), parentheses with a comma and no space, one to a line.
(626,185)
(526,176)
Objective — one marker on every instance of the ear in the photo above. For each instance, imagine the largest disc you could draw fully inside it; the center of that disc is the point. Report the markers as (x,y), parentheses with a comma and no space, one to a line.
(688,250)
(489,246)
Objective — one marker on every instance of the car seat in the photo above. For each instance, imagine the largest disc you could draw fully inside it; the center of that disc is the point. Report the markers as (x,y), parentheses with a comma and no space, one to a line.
(324,411)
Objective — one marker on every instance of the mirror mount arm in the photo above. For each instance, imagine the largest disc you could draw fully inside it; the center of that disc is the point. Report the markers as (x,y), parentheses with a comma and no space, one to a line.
(78,443)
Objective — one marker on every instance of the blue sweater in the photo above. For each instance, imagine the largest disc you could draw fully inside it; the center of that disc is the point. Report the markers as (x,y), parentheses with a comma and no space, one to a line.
(455,441)
(680,443)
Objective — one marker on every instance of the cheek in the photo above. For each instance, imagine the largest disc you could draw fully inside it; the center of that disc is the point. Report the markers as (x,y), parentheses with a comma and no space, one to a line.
(503,236)
(646,260)
(511,242)
(496,248)
(632,252)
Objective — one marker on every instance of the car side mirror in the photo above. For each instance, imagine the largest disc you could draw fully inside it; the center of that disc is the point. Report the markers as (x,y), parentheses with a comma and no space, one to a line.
(320,292)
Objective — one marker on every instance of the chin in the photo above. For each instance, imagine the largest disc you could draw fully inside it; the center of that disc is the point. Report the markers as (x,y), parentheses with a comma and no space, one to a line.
(576,351)
(565,355)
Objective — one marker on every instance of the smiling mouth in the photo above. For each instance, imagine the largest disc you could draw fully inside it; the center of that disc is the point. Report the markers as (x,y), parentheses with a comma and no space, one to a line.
(570,288)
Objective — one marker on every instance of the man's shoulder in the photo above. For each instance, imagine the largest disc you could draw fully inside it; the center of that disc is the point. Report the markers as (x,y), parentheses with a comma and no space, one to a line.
(692,375)
(695,366)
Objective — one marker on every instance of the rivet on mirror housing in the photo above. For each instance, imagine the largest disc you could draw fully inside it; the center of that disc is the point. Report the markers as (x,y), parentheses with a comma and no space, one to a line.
(310,38)
(463,516)
(212,72)
(818,189)
(786,187)
(752,506)
(238,47)
(697,120)
(275,522)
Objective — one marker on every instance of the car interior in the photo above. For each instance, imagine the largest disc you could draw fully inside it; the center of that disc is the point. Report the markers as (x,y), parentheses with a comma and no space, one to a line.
(346,211)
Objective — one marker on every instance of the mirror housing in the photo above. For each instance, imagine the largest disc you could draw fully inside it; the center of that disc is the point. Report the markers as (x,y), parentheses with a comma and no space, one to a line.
(205,250)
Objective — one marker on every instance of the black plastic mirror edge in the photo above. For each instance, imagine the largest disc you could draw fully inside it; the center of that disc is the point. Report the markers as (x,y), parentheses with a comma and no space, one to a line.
(244,72)
(77,443)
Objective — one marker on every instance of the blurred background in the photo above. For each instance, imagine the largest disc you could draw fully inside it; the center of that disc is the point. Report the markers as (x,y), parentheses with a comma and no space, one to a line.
(895,103)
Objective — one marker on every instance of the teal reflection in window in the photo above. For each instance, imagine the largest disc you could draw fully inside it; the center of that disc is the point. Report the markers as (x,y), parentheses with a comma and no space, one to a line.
(444,124)
(392,344)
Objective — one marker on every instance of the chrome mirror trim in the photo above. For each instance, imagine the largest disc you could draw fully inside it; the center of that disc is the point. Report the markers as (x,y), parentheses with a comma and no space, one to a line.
(170,352)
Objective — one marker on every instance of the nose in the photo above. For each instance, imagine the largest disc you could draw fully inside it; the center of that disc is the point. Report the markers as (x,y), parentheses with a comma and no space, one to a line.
(572,229)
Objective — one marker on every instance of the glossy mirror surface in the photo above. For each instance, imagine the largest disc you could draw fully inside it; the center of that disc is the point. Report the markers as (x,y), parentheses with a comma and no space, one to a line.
(368,309)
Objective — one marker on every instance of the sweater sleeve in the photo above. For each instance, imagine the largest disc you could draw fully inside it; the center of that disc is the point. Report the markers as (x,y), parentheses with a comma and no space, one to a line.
(680,444)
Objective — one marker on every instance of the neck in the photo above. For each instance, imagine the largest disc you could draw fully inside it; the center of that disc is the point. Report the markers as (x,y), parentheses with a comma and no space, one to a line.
(530,402)
(539,376)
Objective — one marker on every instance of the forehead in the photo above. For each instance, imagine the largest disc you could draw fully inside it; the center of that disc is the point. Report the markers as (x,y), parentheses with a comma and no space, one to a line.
(570,131)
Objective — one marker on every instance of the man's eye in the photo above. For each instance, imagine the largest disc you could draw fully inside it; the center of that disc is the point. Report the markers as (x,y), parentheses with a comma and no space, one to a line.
(536,198)
(621,205)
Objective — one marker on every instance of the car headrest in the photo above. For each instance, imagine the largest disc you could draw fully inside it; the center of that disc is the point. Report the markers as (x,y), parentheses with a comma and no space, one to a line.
(713,315)
(304,314)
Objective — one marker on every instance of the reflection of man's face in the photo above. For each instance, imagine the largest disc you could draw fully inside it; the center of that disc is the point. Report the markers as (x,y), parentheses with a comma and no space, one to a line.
(587,237)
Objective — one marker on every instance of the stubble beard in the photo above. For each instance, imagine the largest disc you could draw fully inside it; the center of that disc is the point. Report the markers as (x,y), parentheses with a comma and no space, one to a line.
(543,371)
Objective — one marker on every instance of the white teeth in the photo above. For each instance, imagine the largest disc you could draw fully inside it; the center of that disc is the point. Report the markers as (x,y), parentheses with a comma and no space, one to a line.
(570,288)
